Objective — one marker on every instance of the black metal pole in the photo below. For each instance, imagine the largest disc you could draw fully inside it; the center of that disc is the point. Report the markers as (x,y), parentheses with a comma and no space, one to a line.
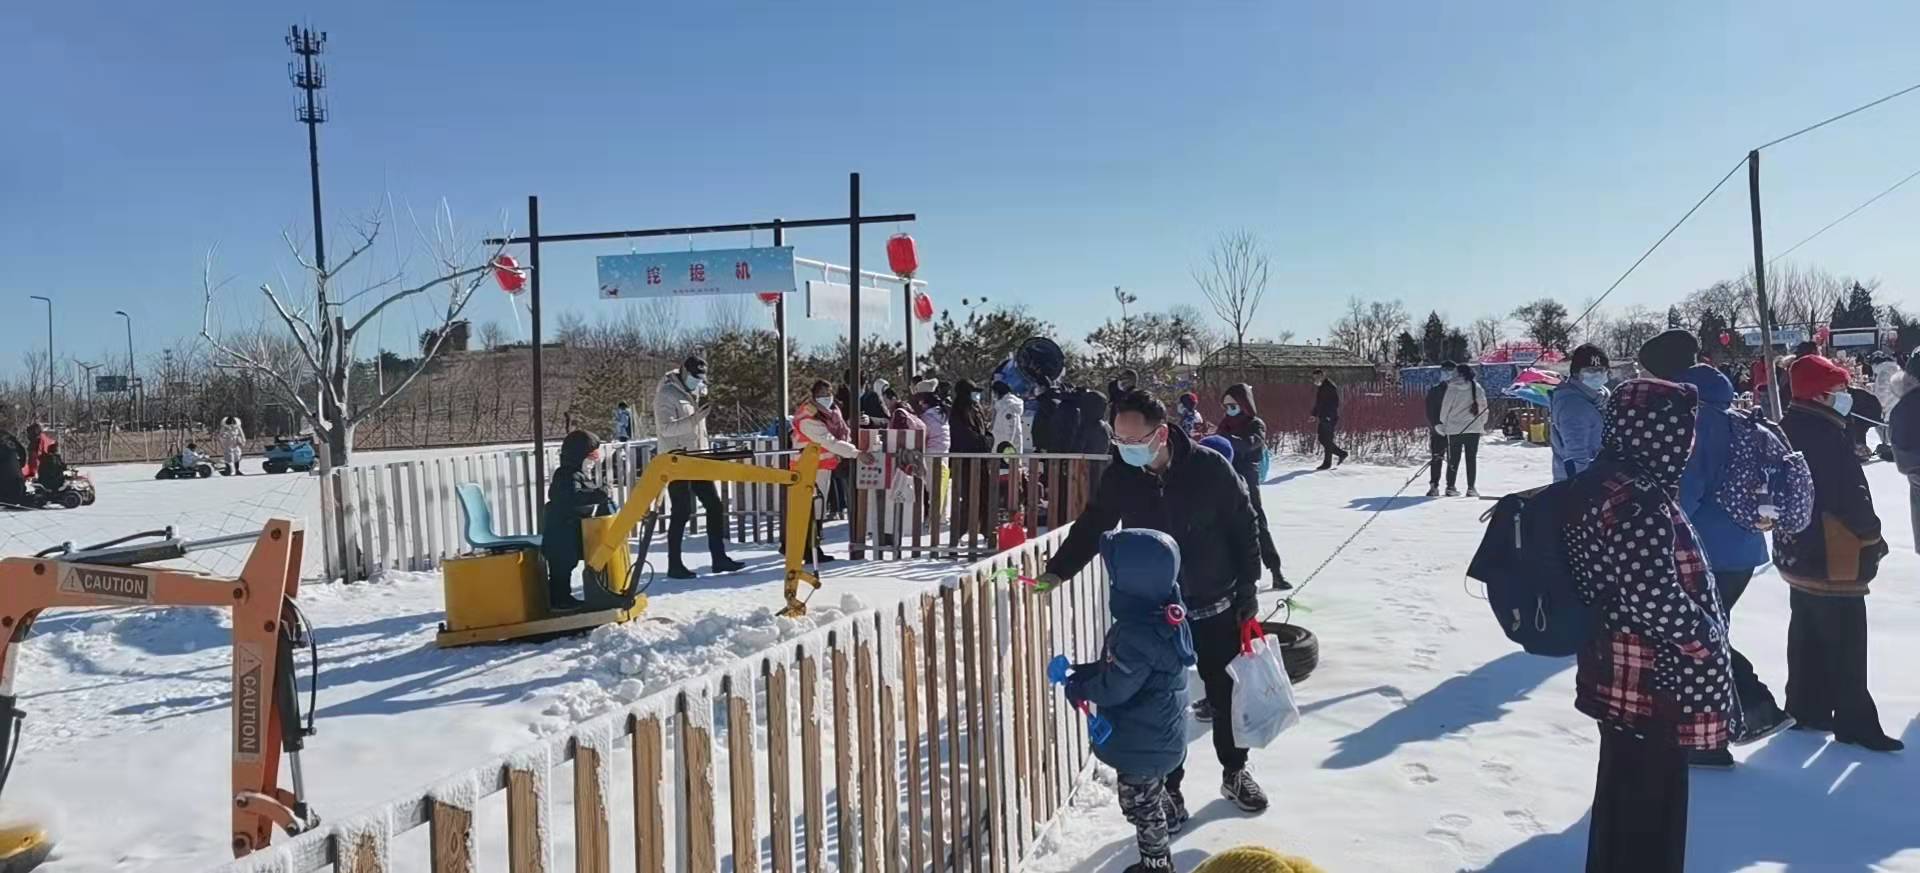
(908,310)
(781,393)
(855,386)
(533,265)
(1760,284)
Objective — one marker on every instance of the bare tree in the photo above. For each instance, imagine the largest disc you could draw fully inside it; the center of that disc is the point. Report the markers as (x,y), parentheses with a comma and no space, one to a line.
(492,335)
(1625,335)
(1234,279)
(318,323)
(1487,332)
(1368,328)
(1729,303)
(727,314)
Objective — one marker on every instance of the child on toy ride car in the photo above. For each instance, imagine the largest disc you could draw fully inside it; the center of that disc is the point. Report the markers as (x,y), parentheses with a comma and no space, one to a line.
(571,496)
(1140,685)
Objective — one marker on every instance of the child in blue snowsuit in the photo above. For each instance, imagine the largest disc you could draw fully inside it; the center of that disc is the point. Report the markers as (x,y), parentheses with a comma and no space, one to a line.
(1140,685)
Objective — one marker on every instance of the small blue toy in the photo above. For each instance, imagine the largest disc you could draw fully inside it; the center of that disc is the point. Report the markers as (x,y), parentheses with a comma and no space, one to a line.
(1098,729)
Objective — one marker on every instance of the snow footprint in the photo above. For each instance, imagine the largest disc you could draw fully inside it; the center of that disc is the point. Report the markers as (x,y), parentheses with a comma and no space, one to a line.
(1497,770)
(1418,774)
(1423,657)
(1448,830)
(1525,822)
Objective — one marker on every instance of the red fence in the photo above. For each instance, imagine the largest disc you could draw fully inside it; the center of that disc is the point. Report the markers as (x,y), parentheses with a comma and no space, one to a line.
(1377,421)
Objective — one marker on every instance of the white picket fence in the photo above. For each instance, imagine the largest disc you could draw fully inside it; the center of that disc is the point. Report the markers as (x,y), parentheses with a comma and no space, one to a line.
(405,515)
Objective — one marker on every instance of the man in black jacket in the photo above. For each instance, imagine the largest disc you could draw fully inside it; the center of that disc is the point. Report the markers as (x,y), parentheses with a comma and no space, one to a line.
(1165,482)
(1326,411)
(1436,440)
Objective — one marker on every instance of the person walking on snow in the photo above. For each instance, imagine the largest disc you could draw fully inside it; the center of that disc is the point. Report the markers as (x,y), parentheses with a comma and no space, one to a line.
(817,422)
(1654,672)
(1437,438)
(1326,411)
(1164,482)
(1574,410)
(1463,418)
(680,409)
(1829,565)
(622,422)
(1732,552)
(1140,686)
(233,443)
(1247,434)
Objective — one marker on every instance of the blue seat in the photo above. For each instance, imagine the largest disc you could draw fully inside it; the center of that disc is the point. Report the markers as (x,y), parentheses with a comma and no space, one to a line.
(480,535)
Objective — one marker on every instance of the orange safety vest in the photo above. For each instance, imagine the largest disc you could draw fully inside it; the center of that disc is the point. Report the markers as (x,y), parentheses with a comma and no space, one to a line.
(806,412)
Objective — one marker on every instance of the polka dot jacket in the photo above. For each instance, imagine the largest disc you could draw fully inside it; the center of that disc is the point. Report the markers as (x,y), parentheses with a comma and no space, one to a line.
(1658,665)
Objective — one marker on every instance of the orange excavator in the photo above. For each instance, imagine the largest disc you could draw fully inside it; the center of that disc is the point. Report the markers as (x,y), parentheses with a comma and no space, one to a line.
(268,628)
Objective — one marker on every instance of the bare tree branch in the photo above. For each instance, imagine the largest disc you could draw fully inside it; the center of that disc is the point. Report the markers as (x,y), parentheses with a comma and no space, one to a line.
(1234,280)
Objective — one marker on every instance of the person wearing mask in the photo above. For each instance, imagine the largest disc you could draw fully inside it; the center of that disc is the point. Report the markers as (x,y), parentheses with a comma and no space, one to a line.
(1828,567)
(1009,420)
(1732,552)
(1246,433)
(1191,420)
(1163,482)
(1654,671)
(680,409)
(817,422)
(896,518)
(1463,418)
(1436,437)
(1574,411)
(233,443)
(1326,413)
(969,435)
(874,409)
(936,415)
(622,422)
(571,496)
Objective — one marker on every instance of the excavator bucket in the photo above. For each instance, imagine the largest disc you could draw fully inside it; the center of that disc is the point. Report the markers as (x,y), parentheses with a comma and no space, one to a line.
(23,847)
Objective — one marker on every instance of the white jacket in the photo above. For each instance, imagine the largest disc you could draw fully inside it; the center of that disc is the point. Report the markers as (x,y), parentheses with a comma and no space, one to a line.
(678,419)
(1885,389)
(938,433)
(1457,414)
(232,438)
(1010,422)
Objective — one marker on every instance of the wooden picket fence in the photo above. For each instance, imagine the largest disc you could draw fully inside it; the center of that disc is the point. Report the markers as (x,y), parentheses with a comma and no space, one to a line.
(405,515)
(922,737)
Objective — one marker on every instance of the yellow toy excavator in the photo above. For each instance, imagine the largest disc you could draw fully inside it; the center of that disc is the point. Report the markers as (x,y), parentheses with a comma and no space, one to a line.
(267,628)
(500,592)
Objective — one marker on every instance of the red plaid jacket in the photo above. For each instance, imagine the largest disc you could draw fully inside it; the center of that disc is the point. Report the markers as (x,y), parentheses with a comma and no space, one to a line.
(1658,665)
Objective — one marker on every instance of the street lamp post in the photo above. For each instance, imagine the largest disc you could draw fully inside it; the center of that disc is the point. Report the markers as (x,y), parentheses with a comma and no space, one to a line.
(52,415)
(123,314)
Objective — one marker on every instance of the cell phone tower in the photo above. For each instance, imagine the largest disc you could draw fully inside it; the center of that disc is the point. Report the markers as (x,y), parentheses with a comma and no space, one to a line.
(309,76)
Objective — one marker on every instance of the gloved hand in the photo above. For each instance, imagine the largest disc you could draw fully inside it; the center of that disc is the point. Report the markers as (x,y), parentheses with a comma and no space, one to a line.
(1246,609)
(1057,669)
(1047,582)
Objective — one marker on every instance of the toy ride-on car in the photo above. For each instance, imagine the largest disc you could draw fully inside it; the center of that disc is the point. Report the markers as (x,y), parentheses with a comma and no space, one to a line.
(175,468)
(290,453)
(75,492)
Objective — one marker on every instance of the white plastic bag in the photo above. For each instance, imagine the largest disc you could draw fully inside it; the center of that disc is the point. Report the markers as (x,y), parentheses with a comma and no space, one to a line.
(1263,704)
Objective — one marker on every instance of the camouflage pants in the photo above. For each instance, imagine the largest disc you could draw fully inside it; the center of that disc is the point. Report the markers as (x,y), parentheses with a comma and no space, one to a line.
(1144,803)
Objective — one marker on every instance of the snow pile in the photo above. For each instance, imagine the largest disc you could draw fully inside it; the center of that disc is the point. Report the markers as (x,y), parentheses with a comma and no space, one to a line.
(624,663)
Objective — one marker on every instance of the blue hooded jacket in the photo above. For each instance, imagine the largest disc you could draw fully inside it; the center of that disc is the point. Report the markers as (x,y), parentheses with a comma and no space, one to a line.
(1576,426)
(1728,545)
(1140,682)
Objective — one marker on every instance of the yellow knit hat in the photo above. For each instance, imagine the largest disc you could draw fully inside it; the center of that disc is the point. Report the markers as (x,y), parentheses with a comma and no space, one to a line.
(1253,859)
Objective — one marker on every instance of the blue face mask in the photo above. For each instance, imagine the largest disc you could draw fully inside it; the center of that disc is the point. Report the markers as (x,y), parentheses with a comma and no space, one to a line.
(1138,454)
(1233,408)
(1843,403)
(1595,379)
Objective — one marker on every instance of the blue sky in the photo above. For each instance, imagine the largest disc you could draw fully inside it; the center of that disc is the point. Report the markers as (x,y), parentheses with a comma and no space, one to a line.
(1459,156)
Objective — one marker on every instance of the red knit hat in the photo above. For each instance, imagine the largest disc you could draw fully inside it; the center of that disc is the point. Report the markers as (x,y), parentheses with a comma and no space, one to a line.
(1814,376)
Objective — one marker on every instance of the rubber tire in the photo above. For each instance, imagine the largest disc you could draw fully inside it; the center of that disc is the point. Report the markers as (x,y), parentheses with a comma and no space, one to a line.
(87,499)
(206,472)
(274,467)
(70,499)
(1299,648)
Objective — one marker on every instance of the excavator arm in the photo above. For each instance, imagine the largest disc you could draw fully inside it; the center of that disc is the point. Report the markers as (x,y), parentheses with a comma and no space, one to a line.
(672,467)
(266,627)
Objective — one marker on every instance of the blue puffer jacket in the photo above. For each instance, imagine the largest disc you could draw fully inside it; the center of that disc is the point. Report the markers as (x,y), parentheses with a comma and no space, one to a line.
(1575,432)
(1728,545)
(1140,682)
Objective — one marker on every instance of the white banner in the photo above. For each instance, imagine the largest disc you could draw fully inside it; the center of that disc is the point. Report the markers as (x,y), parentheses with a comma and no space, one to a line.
(831,302)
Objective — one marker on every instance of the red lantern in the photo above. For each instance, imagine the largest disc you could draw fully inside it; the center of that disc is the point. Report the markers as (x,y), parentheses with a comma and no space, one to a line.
(922,306)
(901,255)
(507,272)
(769,297)
(1726,339)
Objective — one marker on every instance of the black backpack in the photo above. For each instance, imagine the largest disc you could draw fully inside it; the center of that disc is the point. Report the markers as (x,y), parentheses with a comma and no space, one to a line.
(1523,561)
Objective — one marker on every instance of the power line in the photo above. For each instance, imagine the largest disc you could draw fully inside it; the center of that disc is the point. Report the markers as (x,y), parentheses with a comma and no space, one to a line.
(1855,211)
(1857,109)
(1663,238)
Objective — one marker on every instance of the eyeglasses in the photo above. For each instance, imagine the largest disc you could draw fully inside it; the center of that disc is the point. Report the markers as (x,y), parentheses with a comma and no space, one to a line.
(1145,440)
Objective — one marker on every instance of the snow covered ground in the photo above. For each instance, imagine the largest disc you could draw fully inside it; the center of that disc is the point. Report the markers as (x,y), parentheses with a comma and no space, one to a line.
(1429,742)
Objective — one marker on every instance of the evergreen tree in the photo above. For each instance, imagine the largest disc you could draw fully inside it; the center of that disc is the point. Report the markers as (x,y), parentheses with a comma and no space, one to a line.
(1673,317)
(1406,350)
(1433,338)
(1456,347)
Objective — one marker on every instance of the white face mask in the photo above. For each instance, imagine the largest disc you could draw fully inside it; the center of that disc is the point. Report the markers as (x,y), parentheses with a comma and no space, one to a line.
(1595,379)
(1842,402)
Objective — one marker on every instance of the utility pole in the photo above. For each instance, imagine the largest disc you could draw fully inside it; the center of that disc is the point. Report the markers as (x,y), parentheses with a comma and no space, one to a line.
(1760,285)
(52,413)
(780,334)
(310,76)
(854,386)
(123,314)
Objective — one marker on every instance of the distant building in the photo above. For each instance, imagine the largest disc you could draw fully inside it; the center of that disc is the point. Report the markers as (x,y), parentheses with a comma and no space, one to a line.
(1275,363)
